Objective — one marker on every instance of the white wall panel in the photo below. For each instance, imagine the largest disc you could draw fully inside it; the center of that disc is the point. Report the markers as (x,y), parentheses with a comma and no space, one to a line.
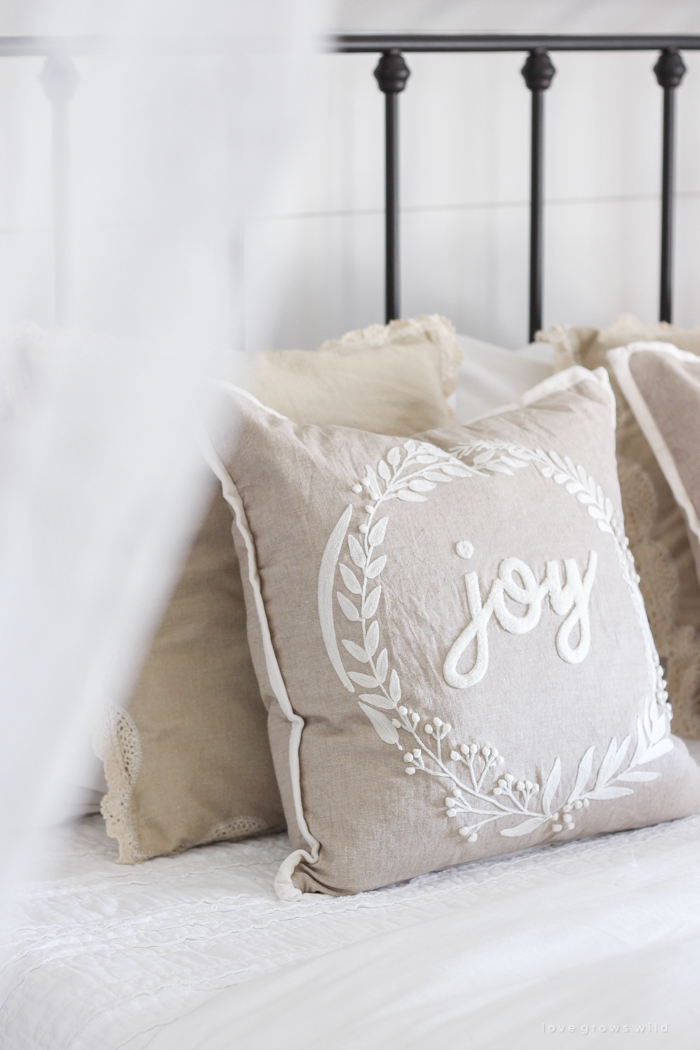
(465,177)
(317,251)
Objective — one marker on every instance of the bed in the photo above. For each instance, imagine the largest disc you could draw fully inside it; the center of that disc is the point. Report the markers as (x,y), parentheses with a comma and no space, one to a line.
(595,939)
(195,950)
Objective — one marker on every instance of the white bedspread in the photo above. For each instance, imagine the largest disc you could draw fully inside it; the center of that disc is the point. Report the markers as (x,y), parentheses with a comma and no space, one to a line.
(594,932)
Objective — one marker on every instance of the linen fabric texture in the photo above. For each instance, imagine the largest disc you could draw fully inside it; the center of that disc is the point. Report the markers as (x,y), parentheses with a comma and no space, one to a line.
(449,637)
(654,521)
(662,387)
(188,760)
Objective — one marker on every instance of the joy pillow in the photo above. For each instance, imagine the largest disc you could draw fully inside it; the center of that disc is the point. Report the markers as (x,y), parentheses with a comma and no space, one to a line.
(449,636)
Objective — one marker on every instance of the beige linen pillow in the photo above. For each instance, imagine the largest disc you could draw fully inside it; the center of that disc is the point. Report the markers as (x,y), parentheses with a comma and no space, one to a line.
(449,637)
(653,520)
(188,761)
(662,387)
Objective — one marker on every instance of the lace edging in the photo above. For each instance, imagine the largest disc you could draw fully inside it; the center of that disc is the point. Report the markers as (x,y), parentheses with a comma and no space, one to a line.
(427,328)
(118,744)
(569,343)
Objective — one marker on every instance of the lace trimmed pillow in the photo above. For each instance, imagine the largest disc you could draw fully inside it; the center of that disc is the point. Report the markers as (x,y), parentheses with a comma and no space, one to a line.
(654,520)
(188,761)
(449,637)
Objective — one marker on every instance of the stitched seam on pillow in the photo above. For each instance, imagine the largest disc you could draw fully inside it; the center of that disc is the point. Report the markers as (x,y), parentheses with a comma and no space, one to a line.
(619,358)
(283,884)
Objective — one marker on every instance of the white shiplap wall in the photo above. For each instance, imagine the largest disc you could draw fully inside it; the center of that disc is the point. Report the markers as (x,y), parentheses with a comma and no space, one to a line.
(465,179)
(313,261)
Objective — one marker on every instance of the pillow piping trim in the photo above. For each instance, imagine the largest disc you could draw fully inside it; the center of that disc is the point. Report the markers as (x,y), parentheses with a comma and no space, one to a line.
(284,887)
(619,359)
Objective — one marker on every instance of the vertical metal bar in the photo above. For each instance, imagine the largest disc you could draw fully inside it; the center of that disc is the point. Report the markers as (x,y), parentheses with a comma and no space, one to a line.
(538,72)
(392,285)
(392,74)
(536,213)
(669,72)
(60,78)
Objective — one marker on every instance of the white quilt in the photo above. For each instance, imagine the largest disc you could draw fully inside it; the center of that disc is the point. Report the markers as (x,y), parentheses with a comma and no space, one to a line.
(195,951)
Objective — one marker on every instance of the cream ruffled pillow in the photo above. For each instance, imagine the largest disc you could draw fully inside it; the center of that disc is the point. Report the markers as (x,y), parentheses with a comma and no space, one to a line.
(188,761)
(654,522)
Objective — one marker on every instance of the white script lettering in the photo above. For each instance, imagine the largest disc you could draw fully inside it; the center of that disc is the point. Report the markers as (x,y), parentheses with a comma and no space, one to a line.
(517,581)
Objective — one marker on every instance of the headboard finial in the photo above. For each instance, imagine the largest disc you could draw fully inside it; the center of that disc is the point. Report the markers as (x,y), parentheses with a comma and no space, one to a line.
(670,68)
(392,72)
(538,70)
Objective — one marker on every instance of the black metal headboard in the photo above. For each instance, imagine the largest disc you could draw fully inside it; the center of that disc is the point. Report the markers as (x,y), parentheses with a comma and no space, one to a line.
(59,78)
(392,74)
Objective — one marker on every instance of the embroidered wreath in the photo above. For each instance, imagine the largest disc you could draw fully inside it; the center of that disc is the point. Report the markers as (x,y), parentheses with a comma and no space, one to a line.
(477,789)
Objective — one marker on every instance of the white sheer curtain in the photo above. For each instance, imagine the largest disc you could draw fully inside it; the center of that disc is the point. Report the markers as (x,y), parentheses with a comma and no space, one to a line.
(173,135)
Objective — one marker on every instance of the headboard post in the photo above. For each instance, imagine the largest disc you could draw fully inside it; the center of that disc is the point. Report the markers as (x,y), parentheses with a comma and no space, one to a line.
(538,72)
(669,72)
(392,74)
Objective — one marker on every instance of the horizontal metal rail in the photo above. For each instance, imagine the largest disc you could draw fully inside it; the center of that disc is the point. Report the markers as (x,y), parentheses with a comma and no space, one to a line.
(497,42)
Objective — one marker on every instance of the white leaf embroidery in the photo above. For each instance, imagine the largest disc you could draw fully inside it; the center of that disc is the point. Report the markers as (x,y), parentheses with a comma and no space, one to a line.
(348,608)
(523,829)
(377,533)
(517,796)
(378,700)
(367,681)
(457,470)
(385,730)
(350,579)
(657,751)
(372,638)
(551,786)
(356,650)
(584,771)
(639,775)
(370,480)
(611,762)
(610,792)
(326,576)
(376,567)
(657,732)
(410,497)
(356,552)
(369,606)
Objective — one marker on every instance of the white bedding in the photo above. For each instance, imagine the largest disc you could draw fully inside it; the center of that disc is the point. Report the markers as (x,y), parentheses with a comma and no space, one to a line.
(594,932)
(196,951)
(490,376)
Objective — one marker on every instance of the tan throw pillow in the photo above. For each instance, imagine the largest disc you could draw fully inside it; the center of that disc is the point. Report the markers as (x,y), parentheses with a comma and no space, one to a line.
(188,761)
(662,387)
(449,637)
(653,520)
